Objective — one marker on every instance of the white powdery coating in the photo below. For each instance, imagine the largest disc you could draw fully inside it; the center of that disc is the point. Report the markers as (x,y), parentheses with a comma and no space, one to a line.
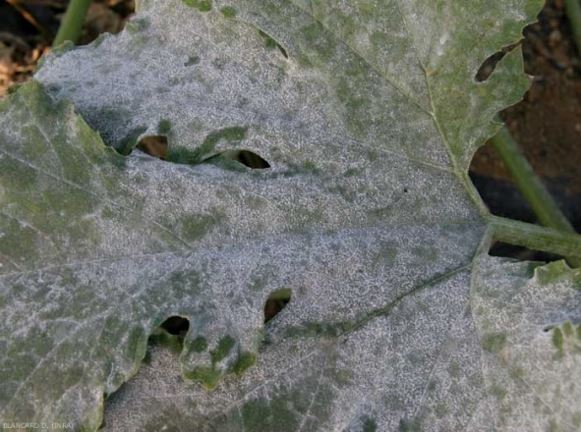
(531,378)
(362,214)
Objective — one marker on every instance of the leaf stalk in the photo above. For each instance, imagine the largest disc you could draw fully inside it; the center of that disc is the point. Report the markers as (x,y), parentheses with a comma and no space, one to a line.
(72,23)
(573,9)
(532,187)
(529,184)
(537,238)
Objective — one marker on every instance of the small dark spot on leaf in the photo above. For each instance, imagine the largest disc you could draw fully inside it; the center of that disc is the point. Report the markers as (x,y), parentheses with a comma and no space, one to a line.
(192,60)
(53,88)
(276,303)
(219,64)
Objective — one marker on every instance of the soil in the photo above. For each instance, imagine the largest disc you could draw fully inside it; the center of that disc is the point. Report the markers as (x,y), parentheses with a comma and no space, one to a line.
(546,124)
(27,28)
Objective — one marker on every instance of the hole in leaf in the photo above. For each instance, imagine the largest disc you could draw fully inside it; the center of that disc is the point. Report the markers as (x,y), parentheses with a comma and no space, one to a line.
(248,158)
(500,195)
(123,8)
(489,65)
(244,157)
(154,145)
(276,303)
(100,21)
(176,325)
(504,199)
(501,249)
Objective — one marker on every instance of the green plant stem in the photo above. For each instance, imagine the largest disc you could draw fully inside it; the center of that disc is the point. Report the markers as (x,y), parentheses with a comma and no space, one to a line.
(537,238)
(72,23)
(532,188)
(529,183)
(573,8)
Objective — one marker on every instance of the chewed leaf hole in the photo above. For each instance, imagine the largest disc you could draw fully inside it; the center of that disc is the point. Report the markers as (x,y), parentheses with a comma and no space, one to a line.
(154,145)
(176,325)
(489,65)
(245,157)
(501,249)
(276,303)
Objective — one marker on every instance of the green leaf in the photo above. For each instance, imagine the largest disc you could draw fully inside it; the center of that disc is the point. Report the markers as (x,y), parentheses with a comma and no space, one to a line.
(368,117)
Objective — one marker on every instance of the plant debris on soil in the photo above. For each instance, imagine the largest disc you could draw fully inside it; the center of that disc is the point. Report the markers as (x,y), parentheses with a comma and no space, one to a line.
(27,28)
(546,124)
